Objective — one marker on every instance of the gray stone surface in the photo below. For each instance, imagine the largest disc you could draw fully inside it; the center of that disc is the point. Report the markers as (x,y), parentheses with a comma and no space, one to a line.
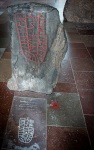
(27,125)
(40,75)
(79,11)
(69,114)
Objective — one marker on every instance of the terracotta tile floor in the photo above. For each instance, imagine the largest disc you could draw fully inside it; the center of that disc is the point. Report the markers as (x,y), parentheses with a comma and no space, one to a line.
(72,126)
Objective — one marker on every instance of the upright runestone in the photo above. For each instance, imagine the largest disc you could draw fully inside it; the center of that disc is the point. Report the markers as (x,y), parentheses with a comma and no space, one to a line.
(38,44)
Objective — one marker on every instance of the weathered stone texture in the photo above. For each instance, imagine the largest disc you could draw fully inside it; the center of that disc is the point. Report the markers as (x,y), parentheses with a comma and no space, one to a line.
(29,74)
(81,11)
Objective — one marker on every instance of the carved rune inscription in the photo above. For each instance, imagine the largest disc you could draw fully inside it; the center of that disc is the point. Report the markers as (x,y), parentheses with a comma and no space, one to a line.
(32,35)
(26,130)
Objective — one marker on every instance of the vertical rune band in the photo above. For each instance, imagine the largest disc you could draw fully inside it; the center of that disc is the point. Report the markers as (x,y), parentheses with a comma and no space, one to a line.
(32,36)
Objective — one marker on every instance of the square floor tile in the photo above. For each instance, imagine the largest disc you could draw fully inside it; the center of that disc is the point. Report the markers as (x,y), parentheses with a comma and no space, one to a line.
(88,40)
(66,74)
(76,45)
(8,49)
(1,140)
(70,33)
(5,102)
(74,38)
(65,87)
(77,53)
(70,30)
(6,97)
(82,64)
(91,51)
(3,19)
(69,113)
(6,55)
(84,80)
(67,139)
(5,70)
(4,42)
(84,26)
(81,26)
(86,32)
(1,52)
(3,123)
(69,25)
(87,101)
(90,127)
(4,34)
(4,27)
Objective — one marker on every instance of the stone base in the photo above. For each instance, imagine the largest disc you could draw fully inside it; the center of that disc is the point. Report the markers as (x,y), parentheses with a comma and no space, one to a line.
(35,85)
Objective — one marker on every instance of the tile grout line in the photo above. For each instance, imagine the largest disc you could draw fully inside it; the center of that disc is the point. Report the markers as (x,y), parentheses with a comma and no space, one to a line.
(67,82)
(89,114)
(65,126)
(67,93)
(76,87)
(84,71)
(80,100)
(83,59)
(81,107)
(89,54)
(78,43)
(88,136)
(7,122)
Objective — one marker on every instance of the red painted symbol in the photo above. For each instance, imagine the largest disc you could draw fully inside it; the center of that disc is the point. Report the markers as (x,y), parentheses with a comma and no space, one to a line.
(32,35)
(54,105)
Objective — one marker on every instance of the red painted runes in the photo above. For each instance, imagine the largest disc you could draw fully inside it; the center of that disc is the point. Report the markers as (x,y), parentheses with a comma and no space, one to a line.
(32,35)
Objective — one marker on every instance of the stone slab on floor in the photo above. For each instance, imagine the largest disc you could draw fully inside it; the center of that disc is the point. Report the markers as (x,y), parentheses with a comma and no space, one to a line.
(26,128)
(70,112)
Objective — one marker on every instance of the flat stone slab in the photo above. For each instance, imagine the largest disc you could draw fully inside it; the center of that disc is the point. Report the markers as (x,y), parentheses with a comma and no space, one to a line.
(26,128)
(69,114)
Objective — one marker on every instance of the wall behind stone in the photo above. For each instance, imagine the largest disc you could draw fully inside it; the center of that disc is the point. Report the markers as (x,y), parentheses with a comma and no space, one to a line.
(60,4)
(79,11)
